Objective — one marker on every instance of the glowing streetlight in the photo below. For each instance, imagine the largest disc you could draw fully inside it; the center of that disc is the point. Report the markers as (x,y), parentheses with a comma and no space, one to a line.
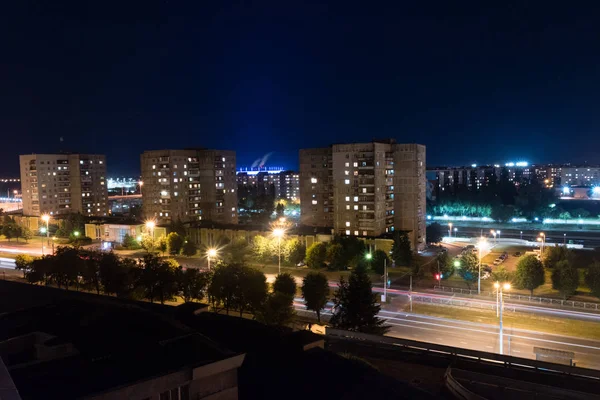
(278,233)
(542,239)
(499,308)
(480,244)
(368,256)
(150,225)
(498,232)
(450,229)
(76,233)
(211,253)
(46,219)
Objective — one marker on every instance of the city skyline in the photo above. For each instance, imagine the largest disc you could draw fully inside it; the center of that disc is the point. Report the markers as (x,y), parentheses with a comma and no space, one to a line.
(470,82)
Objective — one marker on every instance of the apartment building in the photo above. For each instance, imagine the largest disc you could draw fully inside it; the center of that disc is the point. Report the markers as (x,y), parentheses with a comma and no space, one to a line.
(189,185)
(58,184)
(285,184)
(585,175)
(365,189)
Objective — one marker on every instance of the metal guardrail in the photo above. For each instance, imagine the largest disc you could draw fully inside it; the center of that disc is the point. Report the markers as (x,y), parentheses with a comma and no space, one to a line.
(457,302)
(453,352)
(529,299)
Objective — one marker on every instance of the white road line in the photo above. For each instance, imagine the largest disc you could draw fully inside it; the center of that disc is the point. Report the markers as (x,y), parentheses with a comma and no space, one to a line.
(464,343)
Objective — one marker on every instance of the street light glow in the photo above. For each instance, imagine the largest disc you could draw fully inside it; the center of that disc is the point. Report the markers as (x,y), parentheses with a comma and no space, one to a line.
(507,286)
(45,218)
(150,224)
(278,232)
(368,256)
(212,252)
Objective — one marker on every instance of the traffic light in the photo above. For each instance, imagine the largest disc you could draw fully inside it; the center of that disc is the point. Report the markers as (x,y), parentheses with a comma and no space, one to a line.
(437,276)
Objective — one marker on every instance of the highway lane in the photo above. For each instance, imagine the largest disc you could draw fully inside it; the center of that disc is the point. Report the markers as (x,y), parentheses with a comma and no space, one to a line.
(480,337)
(7,263)
(587,238)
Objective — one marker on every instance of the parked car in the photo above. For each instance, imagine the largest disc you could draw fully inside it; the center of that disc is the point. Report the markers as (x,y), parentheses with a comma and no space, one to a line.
(517,254)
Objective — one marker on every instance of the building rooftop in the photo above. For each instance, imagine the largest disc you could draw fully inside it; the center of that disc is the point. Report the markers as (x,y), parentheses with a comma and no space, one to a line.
(87,344)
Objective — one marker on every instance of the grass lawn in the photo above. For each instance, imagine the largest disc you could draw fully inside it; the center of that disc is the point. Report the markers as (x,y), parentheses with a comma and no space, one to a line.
(558,326)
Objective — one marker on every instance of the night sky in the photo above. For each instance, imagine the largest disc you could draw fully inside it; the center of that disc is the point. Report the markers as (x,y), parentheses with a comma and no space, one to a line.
(473,82)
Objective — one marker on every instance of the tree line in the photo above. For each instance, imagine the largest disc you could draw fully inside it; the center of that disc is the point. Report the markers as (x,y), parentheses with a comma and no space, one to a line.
(228,287)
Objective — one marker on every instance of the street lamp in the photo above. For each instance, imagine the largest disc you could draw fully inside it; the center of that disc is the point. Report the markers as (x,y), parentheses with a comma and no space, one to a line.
(565,239)
(499,289)
(42,231)
(542,239)
(46,219)
(480,244)
(278,233)
(493,232)
(211,253)
(76,233)
(150,224)
(521,235)
(450,229)
(498,232)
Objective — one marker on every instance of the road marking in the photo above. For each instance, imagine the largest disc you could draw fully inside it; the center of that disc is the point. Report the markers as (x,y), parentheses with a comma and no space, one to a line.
(464,343)
(489,347)
(516,351)
(438,338)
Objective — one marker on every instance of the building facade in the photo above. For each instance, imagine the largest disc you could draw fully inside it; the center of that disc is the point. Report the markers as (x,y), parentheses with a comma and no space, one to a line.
(283,184)
(58,184)
(189,185)
(579,175)
(365,189)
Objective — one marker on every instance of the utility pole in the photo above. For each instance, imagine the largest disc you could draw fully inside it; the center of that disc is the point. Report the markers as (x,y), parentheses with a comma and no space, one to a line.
(410,293)
(384,298)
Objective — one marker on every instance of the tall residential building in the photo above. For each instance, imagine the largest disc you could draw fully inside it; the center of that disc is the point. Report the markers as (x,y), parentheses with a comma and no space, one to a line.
(365,189)
(189,185)
(58,184)
(284,184)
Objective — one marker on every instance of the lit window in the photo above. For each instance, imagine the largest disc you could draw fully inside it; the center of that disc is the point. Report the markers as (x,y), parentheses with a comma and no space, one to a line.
(355,207)
(364,190)
(355,164)
(347,223)
(347,181)
(347,206)
(347,164)
(364,233)
(313,180)
(356,233)
(347,198)
(176,193)
(347,232)
(314,202)
(154,167)
(355,198)
(346,172)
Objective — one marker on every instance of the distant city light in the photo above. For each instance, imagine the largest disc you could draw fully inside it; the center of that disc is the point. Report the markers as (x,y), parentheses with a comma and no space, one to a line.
(522,164)
(566,190)
(509,164)
(474,165)
(596,190)
(429,217)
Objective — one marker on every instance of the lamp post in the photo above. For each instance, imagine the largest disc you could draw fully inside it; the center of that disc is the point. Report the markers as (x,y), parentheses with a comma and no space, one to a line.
(499,289)
(210,254)
(542,239)
(43,230)
(565,239)
(482,242)
(278,233)
(521,235)
(498,232)
(150,225)
(46,219)
(493,232)
(450,229)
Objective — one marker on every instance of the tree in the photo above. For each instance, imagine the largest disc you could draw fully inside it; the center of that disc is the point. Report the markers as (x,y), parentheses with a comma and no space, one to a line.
(469,268)
(66,267)
(296,251)
(501,275)
(157,279)
(189,248)
(8,230)
(555,254)
(147,243)
(178,227)
(445,264)
(530,273)
(356,305)
(175,243)
(117,275)
(252,290)
(434,233)
(285,283)
(316,255)
(315,290)
(26,233)
(592,278)
(129,242)
(503,213)
(264,249)
(565,278)
(192,283)
(161,245)
(335,257)
(91,269)
(279,209)
(379,260)
(23,262)
(277,310)
(224,285)
(237,251)
(401,249)
(565,215)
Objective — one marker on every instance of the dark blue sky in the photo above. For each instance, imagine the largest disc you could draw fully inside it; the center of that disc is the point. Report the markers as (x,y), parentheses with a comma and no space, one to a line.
(474,82)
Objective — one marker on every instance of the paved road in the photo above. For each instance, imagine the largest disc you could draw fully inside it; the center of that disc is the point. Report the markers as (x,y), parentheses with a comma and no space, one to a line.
(7,263)
(480,337)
